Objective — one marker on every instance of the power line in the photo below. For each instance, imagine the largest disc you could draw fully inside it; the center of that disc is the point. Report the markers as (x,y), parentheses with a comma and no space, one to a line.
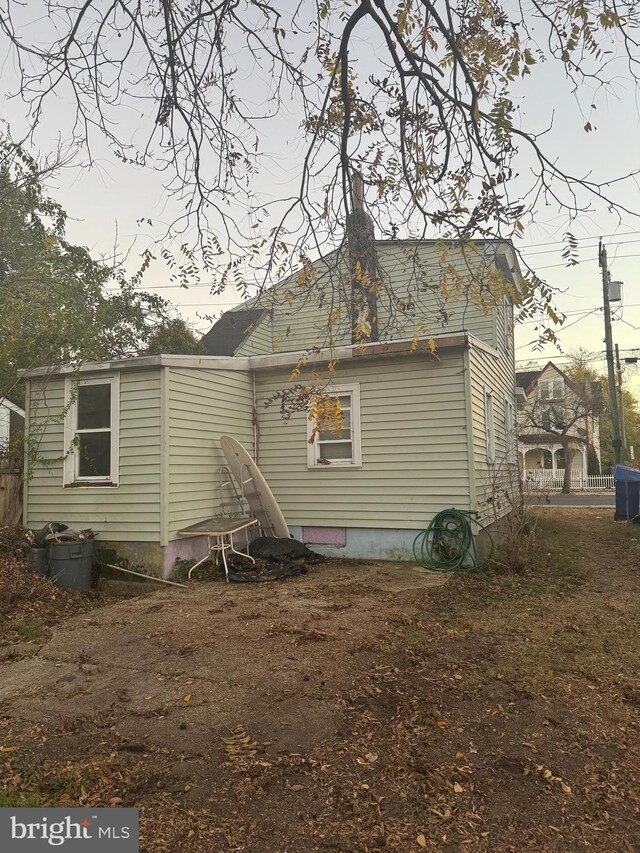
(637,328)
(541,319)
(585,261)
(597,237)
(557,249)
(563,328)
(573,313)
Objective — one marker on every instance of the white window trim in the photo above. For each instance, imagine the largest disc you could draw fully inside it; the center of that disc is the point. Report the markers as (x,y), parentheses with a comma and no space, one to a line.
(507,313)
(356,444)
(510,429)
(489,426)
(549,384)
(70,467)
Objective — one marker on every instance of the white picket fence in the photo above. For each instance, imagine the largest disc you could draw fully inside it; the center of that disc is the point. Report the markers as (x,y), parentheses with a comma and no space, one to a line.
(553,481)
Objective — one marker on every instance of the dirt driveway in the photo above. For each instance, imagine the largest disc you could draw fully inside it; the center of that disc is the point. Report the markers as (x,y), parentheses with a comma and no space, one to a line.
(357,708)
(195,665)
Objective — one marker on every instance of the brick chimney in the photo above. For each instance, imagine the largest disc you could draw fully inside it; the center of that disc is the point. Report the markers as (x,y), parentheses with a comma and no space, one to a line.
(363,266)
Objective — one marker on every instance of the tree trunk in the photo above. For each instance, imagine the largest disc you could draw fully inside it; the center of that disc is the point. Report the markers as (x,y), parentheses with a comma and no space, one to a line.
(566,483)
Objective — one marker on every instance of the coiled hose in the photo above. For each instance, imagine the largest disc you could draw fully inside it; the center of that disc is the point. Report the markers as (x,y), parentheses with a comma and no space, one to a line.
(447,544)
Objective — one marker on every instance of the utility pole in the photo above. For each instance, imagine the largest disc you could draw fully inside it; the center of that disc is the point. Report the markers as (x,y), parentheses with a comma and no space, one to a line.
(623,432)
(608,338)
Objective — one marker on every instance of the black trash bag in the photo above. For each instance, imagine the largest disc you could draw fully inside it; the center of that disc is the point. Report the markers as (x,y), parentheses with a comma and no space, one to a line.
(282,569)
(40,536)
(281,550)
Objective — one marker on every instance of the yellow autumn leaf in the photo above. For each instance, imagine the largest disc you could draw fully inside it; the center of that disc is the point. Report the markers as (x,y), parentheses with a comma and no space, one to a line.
(187,698)
(422,841)
(457,788)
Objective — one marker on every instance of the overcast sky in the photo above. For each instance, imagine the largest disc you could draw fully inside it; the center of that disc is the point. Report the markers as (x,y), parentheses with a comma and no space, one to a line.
(108,199)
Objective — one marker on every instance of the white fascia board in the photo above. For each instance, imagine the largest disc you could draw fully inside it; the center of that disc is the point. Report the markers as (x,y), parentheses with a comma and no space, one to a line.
(476,343)
(210,362)
(254,362)
(354,351)
(7,404)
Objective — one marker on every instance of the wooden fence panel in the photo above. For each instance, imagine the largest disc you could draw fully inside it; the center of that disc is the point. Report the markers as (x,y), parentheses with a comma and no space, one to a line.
(10,491)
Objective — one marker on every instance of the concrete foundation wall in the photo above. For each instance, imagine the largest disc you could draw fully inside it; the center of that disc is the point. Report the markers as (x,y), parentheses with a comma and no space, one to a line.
(188,548)
(365,543)
(147,556)
(360,543)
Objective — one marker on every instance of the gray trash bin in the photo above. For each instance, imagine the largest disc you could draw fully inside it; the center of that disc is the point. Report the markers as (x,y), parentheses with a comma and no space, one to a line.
(70,564)
(38,560)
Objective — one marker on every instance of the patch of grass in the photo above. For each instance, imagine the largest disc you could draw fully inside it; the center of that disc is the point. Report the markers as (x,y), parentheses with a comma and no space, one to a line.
(29,629)
(19,800)
(65,782)
(206,572)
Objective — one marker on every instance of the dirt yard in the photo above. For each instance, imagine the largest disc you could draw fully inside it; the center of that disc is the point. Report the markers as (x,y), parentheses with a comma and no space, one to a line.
(361,707)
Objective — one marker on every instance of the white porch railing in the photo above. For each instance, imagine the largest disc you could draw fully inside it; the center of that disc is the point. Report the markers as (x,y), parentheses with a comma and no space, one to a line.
(553,481)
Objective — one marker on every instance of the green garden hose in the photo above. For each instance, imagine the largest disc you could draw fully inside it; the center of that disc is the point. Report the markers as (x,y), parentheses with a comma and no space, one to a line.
(447,544)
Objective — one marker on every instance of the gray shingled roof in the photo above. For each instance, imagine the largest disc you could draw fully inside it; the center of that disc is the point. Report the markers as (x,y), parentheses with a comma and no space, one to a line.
(525,377)
(231,330)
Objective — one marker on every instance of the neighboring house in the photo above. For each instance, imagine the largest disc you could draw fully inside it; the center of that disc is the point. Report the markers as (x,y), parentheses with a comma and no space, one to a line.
(11,423)
(131,447)
(547,394)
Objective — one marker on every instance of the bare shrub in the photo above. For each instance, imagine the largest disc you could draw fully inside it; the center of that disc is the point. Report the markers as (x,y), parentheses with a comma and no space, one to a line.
(513,522)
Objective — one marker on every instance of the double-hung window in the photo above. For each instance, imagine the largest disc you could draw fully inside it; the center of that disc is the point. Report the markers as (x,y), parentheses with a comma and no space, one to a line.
(489,427)
(552,389)
(334,428)
(91,432)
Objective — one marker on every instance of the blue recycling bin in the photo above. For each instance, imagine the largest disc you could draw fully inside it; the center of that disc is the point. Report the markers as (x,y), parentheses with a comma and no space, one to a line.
(627,482)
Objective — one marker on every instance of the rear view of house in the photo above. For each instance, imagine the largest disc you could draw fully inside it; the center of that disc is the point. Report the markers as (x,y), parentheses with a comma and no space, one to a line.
(427,413)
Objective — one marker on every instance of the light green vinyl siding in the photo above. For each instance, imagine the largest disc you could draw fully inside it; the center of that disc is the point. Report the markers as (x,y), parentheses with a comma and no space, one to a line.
(496,375)
(422,275)
(429,288)
(259,342)
(202,406)
(298,317)
(414,446)
(129,512)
